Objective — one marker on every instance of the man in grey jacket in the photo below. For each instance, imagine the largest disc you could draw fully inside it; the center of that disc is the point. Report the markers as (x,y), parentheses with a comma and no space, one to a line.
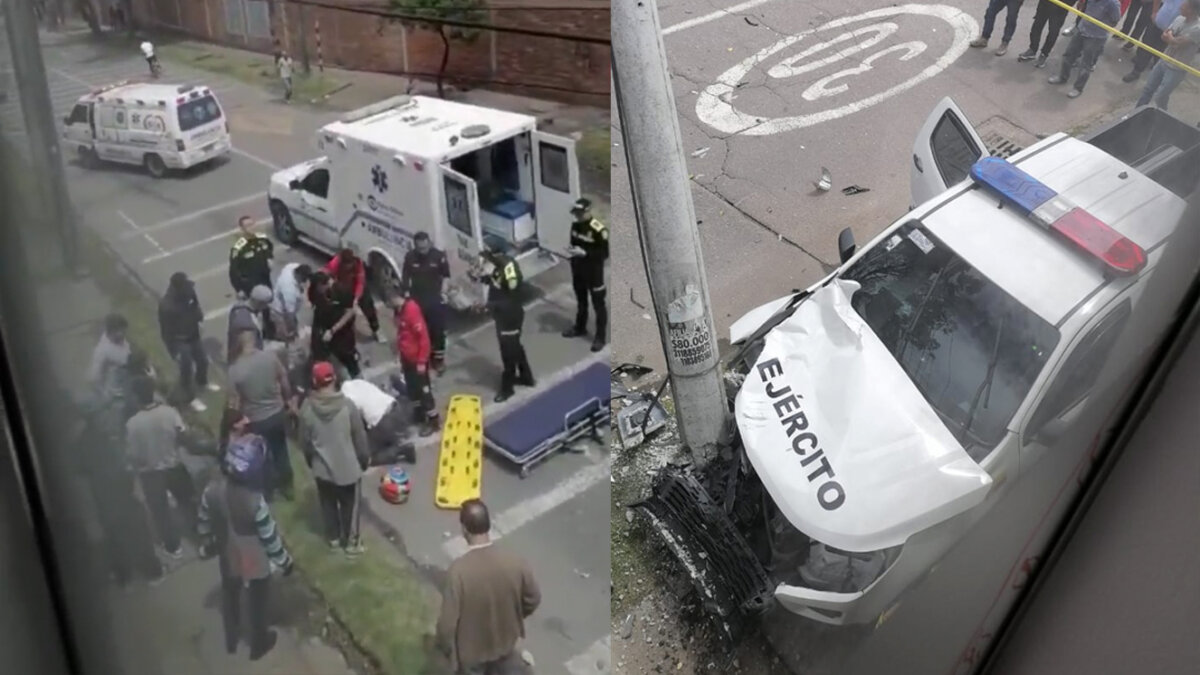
(333,437)
(247,315)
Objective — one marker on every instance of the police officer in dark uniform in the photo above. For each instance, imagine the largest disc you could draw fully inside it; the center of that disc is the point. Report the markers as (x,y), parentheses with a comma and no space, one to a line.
(589,249)
(504,281)
(250,266)
(424,280)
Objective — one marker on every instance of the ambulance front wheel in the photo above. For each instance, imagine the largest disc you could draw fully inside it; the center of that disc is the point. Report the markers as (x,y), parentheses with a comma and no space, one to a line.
(285,229)
(155,166)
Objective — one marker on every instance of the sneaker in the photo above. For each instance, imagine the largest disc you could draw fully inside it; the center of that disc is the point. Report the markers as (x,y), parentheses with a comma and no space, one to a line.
(502,396)
(1127,47)
(176,554)
(979,42)
(1002,50)
(379,338)
(354,550)
(198,405)
(1067,32)
(1041,62)
(1056,79)
(334,544)
(597,344)
(427,430)
(1116,37)
(574,333)
(1027,55)
(1131,77)
(1074,93)
(213,387)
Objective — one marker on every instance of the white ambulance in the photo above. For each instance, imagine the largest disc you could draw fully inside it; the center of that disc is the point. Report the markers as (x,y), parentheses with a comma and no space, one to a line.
(158,126)
(466,175)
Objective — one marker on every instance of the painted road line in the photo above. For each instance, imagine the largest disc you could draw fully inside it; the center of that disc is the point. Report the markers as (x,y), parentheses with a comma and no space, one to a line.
(596,659)
(139,231)
(223,268)
(172,222)
(713,16)
(521,514)
(229,234)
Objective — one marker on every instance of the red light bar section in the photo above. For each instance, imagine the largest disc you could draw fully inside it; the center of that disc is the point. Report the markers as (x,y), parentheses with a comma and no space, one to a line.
(1094,237)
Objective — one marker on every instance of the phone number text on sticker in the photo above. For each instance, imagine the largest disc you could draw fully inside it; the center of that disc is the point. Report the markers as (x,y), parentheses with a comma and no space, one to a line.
(715,104)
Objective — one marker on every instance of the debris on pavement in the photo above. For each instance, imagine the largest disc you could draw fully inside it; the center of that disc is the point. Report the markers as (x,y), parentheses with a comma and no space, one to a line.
(854,190)
(640,420)
(747,20)
(701,152)
(635,302)
(826,180)
(626,627)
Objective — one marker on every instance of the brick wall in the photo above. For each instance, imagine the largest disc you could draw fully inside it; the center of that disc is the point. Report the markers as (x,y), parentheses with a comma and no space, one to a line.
(549,68)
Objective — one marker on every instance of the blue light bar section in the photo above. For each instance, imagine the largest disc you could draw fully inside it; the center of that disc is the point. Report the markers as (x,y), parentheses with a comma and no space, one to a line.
(1011,184)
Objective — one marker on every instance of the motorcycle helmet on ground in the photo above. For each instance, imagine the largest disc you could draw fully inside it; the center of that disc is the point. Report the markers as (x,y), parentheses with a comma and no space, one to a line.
(394,486)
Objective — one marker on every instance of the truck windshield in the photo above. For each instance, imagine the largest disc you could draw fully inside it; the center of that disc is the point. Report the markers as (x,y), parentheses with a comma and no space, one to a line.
(199,112)
(969,347)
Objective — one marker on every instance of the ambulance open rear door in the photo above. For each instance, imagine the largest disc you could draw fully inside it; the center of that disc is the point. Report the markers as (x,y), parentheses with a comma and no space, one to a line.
(556,188)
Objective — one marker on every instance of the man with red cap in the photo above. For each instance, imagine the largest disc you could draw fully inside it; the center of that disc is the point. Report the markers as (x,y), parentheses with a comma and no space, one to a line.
(414,349)
(347,270)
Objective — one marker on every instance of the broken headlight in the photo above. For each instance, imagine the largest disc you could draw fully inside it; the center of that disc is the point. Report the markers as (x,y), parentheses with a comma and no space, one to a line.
(799,560)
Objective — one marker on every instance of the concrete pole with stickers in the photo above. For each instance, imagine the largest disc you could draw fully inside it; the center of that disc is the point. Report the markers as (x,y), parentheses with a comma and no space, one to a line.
(666,224)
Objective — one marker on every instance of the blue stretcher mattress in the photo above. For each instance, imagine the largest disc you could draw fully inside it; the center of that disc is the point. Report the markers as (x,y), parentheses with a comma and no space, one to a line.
(523,433)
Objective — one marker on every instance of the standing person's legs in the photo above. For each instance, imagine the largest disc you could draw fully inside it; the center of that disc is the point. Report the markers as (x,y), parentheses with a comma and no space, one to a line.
(1143,59)
(186,360)
(366,302)
(1074,50)
(418,389)
(599,294)
(1170,79)
(510,343)
(274,432)
(231,609)
(989,17)
(435,320)
(348,358)
(154,489)
(347,501)
(1057,17)
(1010,20)
(199,359)
(579,283)
(327,495)
(1040,18)
(1092,49)
(261,638)
(180,485)
(1152,85)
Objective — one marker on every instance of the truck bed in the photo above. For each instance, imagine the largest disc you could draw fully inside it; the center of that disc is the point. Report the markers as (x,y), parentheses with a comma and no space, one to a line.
(1158,145)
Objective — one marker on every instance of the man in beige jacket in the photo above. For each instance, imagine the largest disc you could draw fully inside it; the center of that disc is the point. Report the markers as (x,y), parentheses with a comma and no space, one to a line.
(489,593)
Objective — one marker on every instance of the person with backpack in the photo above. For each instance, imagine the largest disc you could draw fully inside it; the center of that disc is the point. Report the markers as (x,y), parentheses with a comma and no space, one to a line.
(239,530)
(333,438)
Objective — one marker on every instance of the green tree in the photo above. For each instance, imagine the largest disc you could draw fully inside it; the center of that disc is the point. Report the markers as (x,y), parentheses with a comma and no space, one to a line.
(428,14)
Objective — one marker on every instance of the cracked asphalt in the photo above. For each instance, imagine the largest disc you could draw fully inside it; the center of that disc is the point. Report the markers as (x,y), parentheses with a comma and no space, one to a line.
(765,228)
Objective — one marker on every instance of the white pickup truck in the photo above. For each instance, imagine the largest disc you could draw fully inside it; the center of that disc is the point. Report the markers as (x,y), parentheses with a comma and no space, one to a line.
(884,410)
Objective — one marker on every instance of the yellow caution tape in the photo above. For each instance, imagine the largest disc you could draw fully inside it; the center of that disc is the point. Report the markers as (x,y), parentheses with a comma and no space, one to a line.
(460,460)
(1125,37)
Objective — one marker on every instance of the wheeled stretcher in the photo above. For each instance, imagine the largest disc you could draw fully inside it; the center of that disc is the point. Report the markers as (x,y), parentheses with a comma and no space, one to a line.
(554,418)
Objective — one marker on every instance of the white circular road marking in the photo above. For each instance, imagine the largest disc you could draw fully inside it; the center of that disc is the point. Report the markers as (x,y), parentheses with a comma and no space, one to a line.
(715,107)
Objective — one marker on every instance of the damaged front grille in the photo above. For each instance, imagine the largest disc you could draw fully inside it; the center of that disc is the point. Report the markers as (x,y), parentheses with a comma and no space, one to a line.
(731,581)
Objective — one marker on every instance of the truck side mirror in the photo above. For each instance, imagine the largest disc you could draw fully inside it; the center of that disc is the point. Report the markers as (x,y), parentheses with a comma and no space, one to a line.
(846,245)
(294,185)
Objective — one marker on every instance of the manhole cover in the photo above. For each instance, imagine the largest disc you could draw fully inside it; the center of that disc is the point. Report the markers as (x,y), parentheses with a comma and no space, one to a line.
(1003,138)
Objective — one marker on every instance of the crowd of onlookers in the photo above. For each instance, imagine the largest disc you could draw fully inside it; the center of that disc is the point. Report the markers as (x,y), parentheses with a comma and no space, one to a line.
(1171,27)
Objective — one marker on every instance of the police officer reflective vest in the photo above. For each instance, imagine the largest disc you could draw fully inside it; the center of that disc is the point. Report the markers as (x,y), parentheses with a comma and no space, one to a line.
(591,236)
(249,262)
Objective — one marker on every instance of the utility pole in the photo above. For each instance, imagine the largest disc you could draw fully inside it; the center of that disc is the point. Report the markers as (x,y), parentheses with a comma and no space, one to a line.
(666,221)
(40,123)
(304,60)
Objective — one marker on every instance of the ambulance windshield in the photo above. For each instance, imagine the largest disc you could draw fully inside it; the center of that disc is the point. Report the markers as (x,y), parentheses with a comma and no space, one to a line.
(969,347)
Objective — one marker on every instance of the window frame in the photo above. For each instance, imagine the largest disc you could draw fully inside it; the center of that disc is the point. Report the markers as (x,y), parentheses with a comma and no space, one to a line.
(304,185)
(565,175)
(950,117)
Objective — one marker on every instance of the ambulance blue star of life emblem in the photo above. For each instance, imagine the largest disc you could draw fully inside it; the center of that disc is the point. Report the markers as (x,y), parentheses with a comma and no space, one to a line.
(379,179)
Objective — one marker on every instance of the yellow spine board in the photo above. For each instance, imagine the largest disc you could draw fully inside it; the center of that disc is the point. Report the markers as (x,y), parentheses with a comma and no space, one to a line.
(460,460)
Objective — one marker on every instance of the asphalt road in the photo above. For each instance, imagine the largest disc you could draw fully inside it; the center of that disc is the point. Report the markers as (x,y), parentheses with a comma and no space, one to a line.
(555,517)
(765,229)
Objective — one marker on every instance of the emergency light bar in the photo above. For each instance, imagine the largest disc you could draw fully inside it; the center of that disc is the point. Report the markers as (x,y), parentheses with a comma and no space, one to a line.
(1047,208)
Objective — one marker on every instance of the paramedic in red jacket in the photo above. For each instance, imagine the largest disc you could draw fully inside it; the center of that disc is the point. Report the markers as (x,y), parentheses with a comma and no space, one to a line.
(348,270)
(414,350)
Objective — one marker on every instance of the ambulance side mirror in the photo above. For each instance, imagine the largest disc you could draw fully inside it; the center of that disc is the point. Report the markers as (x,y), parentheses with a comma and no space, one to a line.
(846,245)
(294,185)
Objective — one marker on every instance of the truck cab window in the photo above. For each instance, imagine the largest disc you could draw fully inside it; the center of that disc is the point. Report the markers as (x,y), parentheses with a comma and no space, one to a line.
(317,183)
(1080,370)
(954,149)
(555,168)
(79,115)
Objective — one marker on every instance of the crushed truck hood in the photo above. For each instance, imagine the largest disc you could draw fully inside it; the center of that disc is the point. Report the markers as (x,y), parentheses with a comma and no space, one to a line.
(844,442)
